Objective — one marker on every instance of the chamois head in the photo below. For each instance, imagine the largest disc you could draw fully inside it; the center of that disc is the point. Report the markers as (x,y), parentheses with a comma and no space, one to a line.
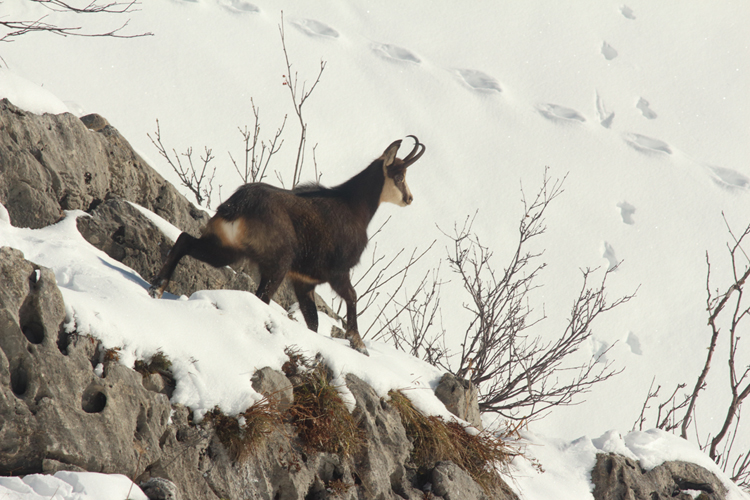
(395,189)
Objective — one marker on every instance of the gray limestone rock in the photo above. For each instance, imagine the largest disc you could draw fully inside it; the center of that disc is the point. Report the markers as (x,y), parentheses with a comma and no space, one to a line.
(460,397)
(616,477)
(273,384)
(50,163)
(56,413)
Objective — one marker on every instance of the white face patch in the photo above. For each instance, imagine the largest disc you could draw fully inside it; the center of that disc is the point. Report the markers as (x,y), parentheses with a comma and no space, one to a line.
(394,193)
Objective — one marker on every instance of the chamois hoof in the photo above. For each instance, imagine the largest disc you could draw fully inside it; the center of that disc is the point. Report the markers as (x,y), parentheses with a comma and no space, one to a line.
(361,349)
(155,291)
(356,343)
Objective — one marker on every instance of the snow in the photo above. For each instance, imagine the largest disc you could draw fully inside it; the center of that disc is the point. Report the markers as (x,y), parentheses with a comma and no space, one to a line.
(643,105)
(28,96)
(66,485)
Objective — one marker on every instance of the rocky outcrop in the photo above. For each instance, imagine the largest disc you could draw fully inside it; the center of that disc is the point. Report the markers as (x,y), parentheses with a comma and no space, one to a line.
(51,163)
(55,412)
(58,413)
(616,477)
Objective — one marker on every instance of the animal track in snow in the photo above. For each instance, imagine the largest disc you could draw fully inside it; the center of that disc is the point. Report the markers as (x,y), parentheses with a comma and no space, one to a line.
(396,53)
(635,344)
(559,113)
(627,12)
(647,145)
(626,212)
(643,105)
(605,117)
(609,254)
(599,349)
(239,6)
(728,178)
(479,81)
(312,27)
(608,51)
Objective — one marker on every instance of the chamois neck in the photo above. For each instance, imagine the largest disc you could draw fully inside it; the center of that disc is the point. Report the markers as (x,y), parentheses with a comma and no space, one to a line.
(362,191)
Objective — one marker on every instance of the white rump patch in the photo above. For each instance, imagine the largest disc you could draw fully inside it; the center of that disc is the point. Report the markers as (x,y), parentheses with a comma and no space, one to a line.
(233,232)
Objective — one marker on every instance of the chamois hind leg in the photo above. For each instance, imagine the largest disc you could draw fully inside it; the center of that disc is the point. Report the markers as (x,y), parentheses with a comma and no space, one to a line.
(343,287)
(207,249)
(271,276)
(305,293)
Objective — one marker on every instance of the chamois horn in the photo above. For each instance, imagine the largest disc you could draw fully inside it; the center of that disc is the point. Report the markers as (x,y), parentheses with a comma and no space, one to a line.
(414,156)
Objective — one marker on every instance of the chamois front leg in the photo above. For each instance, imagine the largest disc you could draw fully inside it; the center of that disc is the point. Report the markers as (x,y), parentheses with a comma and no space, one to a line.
(343,287)
(306,298)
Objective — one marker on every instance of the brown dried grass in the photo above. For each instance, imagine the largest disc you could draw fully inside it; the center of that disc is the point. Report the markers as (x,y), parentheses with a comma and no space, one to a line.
(242,439)
(322,419)
(481,455)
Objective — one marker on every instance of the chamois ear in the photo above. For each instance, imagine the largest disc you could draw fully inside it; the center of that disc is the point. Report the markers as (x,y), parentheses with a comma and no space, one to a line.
(390,153)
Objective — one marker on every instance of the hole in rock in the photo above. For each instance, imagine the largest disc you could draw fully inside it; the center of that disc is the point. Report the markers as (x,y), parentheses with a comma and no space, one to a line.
(33,331)
(63,340)
(19,380)
(93,400)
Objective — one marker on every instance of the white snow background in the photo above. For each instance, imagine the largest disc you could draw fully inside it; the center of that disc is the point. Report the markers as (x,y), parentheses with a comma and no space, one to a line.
(644,106)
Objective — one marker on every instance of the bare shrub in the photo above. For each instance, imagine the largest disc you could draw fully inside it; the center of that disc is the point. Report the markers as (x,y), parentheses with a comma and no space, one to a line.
(519,375)
(257,156)
(299,96)
(727,312)
(257,152)
(198,180)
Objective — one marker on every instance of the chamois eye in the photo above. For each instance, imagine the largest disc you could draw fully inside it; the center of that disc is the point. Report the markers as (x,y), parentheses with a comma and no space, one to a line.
(399,178)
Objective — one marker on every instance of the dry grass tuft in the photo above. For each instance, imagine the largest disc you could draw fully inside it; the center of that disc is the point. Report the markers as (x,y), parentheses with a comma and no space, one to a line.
(111,354)
(298,363)
(242,435)
(321,417)
(482,455)
(338,488)
(159,363)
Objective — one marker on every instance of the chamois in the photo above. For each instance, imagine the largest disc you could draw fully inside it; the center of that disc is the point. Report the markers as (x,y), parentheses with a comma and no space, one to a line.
(312,234)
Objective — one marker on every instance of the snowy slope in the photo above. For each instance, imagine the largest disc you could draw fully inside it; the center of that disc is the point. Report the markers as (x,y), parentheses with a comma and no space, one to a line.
(496,92)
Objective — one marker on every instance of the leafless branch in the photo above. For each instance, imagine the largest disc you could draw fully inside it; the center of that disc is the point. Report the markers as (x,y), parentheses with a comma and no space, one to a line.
(17,28)
(726,311)
(299,96)
(197,180)
(256,163)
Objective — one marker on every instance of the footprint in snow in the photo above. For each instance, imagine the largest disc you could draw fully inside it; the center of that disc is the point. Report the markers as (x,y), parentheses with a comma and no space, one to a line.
(605,116)
(647,145)
(728,178)
(395,53)
(643,105)
(608,51)
(609,254)
(627,12)
(599,349)
(634,343)
(626,212)
(239,6)
(479,81)
(559,113)
(311,27)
